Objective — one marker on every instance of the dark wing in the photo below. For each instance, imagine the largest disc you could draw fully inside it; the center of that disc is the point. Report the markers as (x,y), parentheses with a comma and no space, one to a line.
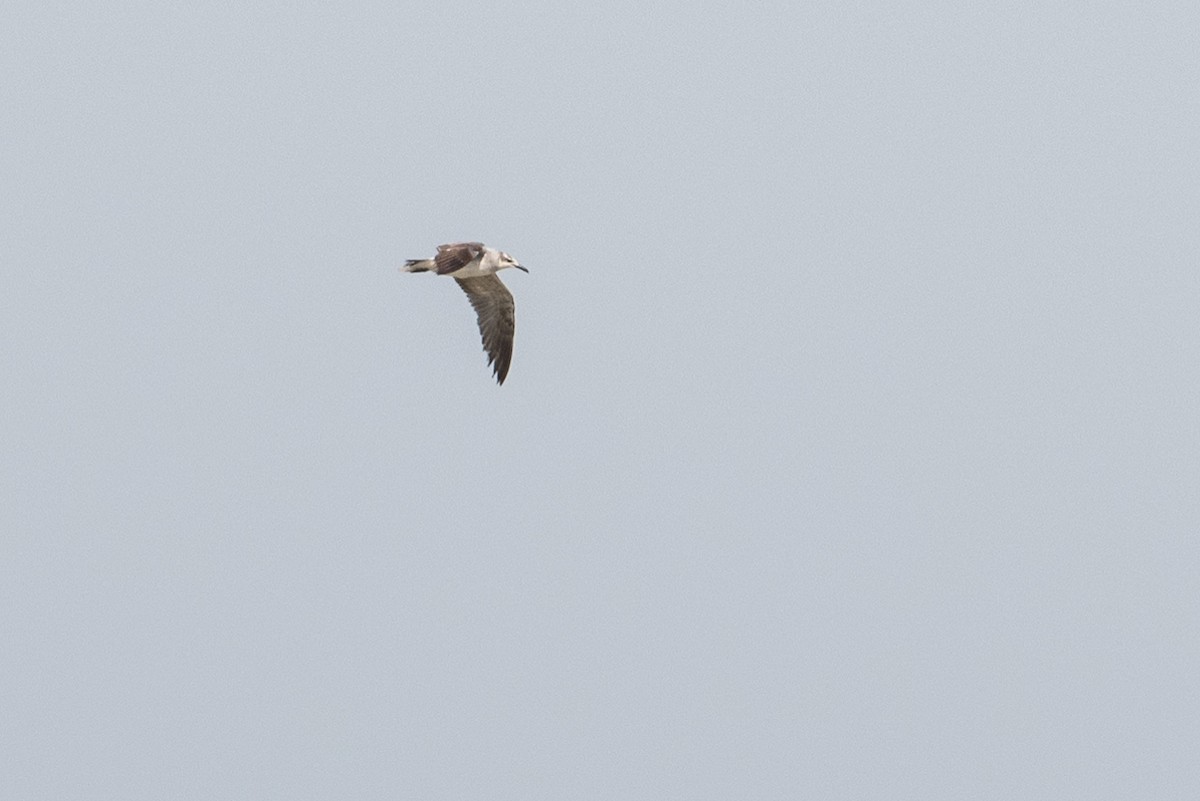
(454,257)
(494,304)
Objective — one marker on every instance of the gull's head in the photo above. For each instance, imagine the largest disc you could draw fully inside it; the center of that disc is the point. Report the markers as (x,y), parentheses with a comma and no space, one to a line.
(508,261)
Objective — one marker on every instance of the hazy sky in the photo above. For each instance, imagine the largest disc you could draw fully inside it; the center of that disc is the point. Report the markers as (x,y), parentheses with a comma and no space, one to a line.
(851,446)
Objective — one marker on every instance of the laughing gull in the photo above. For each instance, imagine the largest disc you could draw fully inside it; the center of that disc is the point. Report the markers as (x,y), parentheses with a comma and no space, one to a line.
(474,267)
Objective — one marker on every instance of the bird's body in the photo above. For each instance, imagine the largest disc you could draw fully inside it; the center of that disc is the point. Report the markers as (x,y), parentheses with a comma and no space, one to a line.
(474,266)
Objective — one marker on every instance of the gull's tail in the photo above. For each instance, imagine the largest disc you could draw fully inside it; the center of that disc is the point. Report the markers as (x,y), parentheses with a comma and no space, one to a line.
(417,266)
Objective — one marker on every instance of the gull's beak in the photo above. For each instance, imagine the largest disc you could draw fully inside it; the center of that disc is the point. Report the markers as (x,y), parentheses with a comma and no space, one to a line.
(519,267)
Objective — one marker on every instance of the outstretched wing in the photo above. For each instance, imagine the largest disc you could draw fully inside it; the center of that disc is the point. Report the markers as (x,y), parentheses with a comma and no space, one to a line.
(454,257)
(493,303)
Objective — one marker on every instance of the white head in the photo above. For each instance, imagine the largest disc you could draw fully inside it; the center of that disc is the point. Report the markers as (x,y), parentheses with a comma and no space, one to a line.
(508,261)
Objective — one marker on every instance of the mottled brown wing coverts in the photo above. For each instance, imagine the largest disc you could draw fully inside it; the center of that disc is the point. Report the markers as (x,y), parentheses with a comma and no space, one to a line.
(493,304)
(456,256)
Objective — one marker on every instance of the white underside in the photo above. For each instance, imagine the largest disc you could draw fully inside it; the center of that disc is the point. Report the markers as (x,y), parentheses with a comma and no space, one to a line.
(473,270)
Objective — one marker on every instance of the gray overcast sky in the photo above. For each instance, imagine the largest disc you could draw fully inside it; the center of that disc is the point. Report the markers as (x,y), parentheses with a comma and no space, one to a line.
(850,448)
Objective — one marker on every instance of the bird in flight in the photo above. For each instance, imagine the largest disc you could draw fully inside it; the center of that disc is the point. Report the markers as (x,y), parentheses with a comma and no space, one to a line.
(474,266)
